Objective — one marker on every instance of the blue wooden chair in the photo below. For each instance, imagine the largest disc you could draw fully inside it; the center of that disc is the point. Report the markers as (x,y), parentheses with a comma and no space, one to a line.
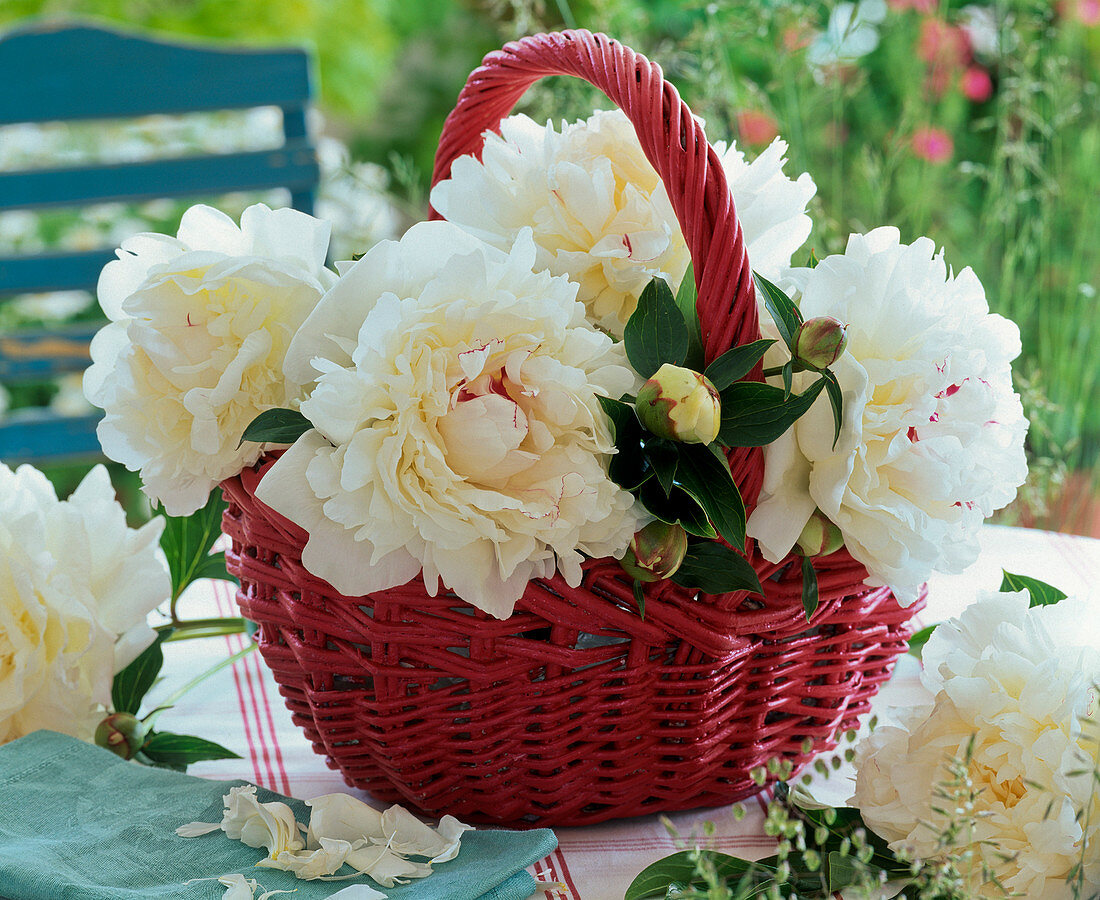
(68,72)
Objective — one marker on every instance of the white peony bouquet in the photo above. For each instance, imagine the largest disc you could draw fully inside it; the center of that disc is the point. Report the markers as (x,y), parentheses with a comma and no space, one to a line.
(488,400)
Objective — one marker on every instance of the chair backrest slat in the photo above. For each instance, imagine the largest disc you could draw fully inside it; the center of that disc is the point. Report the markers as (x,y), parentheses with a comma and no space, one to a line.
(40,436)
(135,76)
(43,272)
(76,72)
(293,166)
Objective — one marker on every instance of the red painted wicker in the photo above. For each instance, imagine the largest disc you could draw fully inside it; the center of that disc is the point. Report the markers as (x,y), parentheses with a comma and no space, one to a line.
(574,710)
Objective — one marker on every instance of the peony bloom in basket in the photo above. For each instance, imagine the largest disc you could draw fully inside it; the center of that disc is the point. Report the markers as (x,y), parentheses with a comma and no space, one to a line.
(199,327)
(1013,693)
(457,428)
(933,437)
(601,215)
(76,585)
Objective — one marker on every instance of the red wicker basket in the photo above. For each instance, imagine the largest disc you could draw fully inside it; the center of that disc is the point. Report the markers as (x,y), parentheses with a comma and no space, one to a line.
(573,710)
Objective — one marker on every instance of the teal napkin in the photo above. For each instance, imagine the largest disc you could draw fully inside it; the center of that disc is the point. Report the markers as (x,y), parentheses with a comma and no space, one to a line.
(78,823)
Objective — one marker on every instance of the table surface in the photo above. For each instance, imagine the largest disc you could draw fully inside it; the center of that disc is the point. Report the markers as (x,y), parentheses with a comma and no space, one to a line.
(240,707)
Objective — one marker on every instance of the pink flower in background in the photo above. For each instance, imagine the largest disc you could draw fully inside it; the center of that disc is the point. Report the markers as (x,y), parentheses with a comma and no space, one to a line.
(756,127)
(945,49)
(976,84)
(932,144)
(943,45)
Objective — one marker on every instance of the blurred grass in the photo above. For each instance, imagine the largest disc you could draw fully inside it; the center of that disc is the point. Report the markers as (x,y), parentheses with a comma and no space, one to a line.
(1017,200)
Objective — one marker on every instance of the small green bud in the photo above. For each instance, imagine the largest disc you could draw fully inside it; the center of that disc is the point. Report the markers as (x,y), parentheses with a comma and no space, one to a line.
(820,342)
(122,734)
(680,405)
(655,552)
(819,537)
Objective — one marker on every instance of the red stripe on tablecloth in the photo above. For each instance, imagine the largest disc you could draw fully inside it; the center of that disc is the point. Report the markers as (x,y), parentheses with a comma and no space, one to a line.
(242,678)
(268,739)
(275,748)
(256,678)
(244,716)
(565,876)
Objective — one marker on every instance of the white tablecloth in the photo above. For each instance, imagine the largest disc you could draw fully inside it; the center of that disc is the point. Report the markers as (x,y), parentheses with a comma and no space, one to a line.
(240,707)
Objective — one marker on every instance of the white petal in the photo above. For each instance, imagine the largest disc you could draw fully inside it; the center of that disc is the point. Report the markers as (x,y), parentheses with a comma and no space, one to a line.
(342,817)
(196,829)
(357,892)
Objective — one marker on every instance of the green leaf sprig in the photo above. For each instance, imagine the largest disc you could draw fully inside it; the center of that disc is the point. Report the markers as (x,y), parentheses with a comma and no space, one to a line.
(690,484)
(276,426)
(788,320)
(160,748)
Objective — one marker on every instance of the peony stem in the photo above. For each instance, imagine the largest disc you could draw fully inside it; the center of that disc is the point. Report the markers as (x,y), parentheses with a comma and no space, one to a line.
(198,628)
(199,679)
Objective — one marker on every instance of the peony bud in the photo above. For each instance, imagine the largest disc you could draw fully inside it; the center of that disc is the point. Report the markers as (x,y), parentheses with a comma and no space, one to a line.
(122,734)
(680,405)
(819,537)
(655,552)
(820,342)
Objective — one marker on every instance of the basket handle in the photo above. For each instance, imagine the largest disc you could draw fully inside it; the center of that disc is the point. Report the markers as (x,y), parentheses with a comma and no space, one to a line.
(672,139)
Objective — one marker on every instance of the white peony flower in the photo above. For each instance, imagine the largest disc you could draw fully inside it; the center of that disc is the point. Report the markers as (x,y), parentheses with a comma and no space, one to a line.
(76,586)
(932,439)
(599,212)
(458,430)
(1020,683)
(194,351)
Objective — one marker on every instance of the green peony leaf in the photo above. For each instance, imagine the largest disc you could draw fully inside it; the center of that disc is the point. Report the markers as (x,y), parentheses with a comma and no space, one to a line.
(682,868)
(276,426)
(664,458)
(656,333)
(788,379)
(714,568)
(735,364)
(130,686)
(1042,594)
(187,541)
(786,315)
(180,750)
(639,598)
(679,507)
(755,414)
(685,300)
(621,415)
(629,467)
(706,478)
(810,598)
(836,399)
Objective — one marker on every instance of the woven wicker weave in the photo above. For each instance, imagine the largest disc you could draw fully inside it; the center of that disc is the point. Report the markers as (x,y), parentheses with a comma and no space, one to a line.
(574,710)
